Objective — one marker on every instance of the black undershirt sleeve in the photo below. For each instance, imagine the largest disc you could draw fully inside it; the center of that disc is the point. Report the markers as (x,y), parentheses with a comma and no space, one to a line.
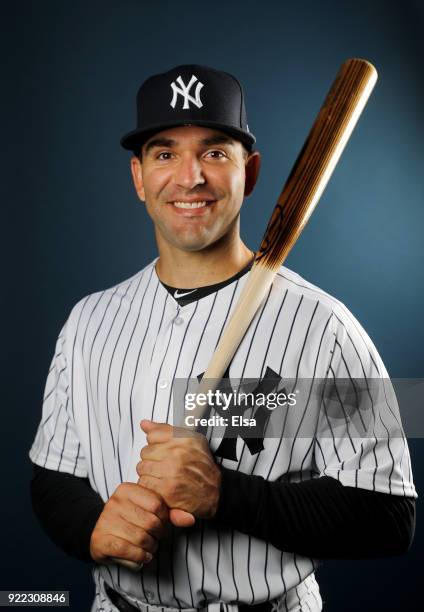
(318,518)
(67,508)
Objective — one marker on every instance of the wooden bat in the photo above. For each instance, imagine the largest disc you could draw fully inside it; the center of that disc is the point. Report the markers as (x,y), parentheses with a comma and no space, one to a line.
(307,180)
(312,169)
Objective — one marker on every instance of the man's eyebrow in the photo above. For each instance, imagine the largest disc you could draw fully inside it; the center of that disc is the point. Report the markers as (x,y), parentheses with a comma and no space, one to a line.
(207,142)
(218,139)
(159,142)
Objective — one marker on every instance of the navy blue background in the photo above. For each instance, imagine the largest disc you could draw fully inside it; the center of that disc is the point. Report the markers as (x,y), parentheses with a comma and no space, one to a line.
(74,224)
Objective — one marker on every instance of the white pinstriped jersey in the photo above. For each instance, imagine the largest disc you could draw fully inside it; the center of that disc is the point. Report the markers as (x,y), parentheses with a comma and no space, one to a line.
(114,364)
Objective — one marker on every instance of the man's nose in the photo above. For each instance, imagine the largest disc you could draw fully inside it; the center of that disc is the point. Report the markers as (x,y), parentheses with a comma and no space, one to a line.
(188,172)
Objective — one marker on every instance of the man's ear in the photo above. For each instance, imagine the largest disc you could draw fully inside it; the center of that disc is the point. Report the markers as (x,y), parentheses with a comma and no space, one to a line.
(253,164)
(137,175)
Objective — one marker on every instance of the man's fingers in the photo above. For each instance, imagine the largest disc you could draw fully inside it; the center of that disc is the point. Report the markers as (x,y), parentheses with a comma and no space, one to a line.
(135,535)
(145,499)
(147,425)
(151,483)
(156,433)
(180,518)
(172,451)
(149,521)
(165,469)
(113,546)
(156,469)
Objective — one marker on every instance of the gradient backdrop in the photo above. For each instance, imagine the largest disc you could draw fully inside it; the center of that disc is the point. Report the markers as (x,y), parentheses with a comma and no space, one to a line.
(74,225)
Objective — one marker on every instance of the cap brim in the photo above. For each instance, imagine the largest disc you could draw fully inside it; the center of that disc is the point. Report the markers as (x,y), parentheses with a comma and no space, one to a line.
(134,140)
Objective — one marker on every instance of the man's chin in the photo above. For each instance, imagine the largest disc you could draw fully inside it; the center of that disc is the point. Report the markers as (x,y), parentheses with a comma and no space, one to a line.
(192,246)
(191,242)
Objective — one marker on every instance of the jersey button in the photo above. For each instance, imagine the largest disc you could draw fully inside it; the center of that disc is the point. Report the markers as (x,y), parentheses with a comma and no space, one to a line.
(162,385)
(178,320)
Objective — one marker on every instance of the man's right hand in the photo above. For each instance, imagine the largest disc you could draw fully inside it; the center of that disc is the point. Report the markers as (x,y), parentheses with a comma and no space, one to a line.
(130,525)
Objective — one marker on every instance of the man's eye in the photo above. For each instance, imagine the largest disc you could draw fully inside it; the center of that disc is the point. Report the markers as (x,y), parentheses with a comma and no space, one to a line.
(215,154)
(164,155)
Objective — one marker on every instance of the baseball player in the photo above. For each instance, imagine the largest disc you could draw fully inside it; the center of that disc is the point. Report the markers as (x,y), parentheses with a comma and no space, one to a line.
(212,521)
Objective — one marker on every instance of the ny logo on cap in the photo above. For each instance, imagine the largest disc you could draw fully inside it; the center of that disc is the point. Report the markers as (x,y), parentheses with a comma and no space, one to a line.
(184,91)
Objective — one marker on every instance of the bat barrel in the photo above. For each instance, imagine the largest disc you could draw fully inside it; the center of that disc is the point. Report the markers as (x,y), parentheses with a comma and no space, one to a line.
(317,160)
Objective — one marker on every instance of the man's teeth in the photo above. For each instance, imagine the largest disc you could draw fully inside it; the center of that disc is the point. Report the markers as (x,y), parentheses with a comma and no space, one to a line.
(190,204)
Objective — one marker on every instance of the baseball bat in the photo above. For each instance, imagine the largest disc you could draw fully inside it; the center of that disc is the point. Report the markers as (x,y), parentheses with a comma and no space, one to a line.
(310,174)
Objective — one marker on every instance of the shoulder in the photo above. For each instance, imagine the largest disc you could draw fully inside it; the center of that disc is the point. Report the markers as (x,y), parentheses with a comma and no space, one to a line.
(94,305)
(346,327)
(293,283)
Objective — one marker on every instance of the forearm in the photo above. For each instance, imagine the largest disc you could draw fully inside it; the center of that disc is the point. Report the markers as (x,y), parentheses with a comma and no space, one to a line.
(318,518)
(67,508)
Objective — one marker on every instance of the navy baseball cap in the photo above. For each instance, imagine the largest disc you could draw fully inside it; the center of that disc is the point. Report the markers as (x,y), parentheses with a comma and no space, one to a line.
(189,95)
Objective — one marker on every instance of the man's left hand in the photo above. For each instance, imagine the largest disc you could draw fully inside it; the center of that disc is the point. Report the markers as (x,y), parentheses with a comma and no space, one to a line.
(180,468)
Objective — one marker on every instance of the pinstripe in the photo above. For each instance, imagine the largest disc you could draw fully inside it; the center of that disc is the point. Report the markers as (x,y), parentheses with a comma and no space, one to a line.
(53,434)
(110,367)
(248,570)
(343,409)
(63,444)
(138,357)
(90,444)
(99,366)
(160,324)
(136,367)
(101,294)
(77,457)
(188,573)
(202,532)
(124,358)
(57,381)
(294,386)
(324,404)
(90,399)
(93,342)
(73,353)
(282,578)
(353,383)
(370,396)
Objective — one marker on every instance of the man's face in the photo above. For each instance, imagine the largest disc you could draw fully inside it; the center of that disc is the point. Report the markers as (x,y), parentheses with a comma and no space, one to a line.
(192,180)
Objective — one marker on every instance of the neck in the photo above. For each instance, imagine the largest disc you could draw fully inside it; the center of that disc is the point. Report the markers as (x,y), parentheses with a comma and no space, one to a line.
(191,269)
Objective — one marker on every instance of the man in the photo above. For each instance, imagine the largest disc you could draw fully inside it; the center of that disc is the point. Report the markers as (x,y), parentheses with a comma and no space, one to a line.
(239,522)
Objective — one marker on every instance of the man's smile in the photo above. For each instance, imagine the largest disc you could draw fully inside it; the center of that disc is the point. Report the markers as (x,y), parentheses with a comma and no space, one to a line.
(190,204)
(191,208)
